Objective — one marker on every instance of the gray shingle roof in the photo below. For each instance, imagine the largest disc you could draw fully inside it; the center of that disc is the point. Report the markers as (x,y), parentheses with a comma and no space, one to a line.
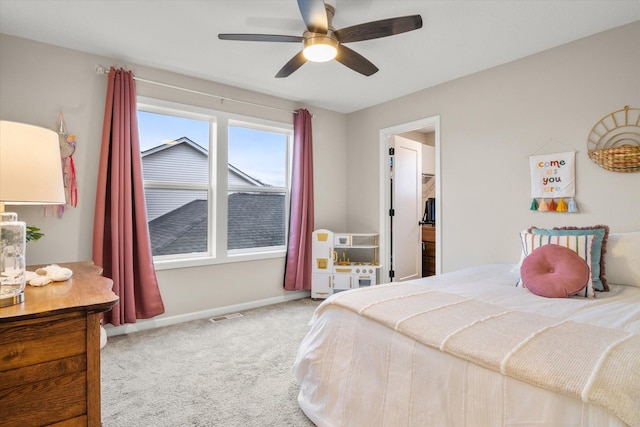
(255,220)
(183,230)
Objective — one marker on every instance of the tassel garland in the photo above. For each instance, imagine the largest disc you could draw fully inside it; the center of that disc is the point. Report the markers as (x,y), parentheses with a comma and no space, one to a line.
(562,206)
(554,205)
(543,206)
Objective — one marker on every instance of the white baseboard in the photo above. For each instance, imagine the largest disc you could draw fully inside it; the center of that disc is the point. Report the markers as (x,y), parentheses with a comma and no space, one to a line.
(143,325)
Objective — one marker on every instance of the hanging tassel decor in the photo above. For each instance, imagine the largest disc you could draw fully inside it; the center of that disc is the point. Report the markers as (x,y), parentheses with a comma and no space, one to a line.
(70,182)
(67,148)
(562,206)
(554,205)
(534,205)
(573,206)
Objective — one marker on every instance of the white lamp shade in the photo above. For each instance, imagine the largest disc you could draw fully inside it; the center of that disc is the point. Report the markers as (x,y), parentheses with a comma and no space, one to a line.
(30,165)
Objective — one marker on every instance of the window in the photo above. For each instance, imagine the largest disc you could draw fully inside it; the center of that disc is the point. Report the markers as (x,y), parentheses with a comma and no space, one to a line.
(257,189)
(216,185)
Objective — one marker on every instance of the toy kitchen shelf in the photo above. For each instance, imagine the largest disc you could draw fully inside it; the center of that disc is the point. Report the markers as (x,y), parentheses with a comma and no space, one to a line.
(343,261)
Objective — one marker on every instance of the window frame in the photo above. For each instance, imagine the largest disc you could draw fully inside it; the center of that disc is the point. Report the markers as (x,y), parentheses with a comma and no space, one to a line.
(217,187)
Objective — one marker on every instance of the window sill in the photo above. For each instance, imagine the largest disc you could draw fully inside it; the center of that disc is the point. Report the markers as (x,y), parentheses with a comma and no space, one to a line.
(207,260)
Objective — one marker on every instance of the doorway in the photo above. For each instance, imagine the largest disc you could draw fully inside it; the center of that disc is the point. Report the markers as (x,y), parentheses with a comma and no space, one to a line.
(387,251)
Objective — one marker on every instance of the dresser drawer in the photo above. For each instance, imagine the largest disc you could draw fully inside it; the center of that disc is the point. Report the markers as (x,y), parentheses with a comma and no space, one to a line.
(43,371)
(41,340)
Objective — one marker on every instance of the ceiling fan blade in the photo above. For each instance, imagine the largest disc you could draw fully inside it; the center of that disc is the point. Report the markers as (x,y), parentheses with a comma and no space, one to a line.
(261,38)
(314,15)
(291,66)
(355,61)
(378,29)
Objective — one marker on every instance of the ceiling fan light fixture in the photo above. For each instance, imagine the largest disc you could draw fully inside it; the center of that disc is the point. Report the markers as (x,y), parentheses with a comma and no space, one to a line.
(322,42)
(320,49)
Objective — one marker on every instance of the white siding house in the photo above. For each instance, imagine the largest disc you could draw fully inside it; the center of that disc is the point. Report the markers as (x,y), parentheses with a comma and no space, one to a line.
(182,161)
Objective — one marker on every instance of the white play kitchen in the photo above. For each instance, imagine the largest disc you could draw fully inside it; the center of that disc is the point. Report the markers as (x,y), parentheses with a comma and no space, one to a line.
(343,261)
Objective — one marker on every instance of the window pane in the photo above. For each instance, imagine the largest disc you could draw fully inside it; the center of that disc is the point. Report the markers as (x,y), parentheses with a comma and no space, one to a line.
(182,229)
(256,220)
(173,149)
(257,157)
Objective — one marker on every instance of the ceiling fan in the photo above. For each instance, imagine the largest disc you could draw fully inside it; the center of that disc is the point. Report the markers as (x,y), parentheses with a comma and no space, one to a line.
(322,42)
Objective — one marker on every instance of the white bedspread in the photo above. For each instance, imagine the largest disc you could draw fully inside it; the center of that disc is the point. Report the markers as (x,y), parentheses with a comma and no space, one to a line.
(387,368)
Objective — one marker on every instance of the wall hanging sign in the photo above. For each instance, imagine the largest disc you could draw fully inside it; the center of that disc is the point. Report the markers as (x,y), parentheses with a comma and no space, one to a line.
(553,182)
(614,142)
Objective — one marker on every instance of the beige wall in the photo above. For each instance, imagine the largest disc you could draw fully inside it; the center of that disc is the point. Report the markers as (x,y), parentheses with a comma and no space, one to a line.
(490,123)
(38,80)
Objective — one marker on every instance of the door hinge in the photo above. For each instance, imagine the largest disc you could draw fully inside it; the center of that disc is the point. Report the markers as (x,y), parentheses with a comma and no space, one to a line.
(392,212)
(392,151)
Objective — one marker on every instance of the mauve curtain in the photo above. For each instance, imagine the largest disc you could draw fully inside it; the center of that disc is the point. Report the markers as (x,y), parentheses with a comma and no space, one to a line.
(297,274)
(120,234)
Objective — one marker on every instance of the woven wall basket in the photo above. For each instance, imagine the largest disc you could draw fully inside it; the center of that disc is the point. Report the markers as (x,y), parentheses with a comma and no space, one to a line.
(625,158)
(614,142)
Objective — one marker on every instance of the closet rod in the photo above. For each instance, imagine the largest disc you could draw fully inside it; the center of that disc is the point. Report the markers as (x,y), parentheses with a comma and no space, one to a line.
(102,70)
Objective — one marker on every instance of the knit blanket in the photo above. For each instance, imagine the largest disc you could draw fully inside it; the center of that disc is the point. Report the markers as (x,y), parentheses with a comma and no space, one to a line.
(597,365)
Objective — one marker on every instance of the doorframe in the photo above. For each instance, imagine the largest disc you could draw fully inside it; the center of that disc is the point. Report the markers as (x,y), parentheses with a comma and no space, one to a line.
(432,122)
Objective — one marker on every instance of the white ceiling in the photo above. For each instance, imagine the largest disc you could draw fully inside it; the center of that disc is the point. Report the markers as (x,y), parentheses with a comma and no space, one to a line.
(457,38)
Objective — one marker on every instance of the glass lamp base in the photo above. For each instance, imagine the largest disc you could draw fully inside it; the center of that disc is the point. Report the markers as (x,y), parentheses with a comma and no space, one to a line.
(12,300)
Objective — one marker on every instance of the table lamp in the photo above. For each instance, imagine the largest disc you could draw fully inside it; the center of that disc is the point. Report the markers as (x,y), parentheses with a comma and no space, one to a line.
(30,174)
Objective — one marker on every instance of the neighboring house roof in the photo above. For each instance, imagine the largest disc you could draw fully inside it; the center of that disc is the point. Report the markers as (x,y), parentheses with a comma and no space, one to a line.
(165,146)
(183,230)
(248,178)
(255,220)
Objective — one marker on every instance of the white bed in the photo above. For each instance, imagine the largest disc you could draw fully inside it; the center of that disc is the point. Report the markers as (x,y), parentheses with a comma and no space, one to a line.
(360,365)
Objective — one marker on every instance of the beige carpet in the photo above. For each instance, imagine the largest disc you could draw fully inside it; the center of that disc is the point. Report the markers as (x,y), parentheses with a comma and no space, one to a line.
(234,372)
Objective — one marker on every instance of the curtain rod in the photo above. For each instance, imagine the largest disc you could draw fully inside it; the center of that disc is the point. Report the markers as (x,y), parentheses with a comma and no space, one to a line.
(101,70)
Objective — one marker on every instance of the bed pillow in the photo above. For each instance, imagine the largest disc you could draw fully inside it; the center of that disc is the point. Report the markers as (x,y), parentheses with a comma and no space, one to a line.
(580,244)
(601,233)
(554,271)
(623,259)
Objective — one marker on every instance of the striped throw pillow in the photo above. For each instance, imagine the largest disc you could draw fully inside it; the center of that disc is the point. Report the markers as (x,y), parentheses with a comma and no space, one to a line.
(580,244)
(600,235)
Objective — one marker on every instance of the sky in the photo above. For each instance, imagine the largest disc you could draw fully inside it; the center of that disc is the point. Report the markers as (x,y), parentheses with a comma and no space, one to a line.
(257,153)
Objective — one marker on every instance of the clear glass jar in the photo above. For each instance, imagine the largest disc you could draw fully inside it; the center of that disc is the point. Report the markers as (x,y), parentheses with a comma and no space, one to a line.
(13,243)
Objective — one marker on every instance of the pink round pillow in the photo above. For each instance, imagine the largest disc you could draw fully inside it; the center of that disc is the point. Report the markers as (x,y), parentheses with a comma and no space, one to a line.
(554,271)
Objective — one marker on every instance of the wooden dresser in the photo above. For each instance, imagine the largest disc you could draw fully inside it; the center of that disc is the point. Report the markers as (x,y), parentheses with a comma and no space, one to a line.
(50,351)
(428,251)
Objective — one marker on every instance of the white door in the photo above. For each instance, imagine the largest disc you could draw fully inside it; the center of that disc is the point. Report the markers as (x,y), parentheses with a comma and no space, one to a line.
(407,205)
